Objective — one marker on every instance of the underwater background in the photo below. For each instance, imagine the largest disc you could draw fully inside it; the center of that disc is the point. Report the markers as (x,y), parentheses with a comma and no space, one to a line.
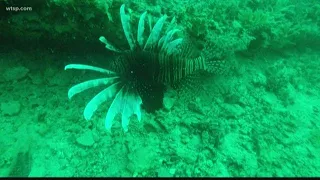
(259,118)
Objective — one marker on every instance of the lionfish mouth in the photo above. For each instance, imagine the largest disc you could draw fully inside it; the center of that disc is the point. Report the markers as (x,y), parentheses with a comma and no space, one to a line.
(138,76)
(139,70)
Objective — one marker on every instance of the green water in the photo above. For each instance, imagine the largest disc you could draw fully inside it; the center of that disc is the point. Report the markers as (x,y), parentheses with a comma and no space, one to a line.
(254,114)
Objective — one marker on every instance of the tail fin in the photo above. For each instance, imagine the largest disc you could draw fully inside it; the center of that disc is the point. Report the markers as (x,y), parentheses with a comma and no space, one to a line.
(216,66)
(216,62)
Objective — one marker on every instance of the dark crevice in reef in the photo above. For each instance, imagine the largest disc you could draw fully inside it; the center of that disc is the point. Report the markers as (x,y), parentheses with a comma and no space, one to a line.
(22,165)
(54,45)
(22,161)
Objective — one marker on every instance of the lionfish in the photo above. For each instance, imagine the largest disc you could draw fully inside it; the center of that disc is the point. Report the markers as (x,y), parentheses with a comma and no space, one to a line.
(138,76)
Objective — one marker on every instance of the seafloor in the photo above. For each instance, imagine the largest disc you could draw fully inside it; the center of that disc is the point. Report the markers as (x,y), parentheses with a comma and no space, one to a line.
(259,119)
(262,120)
